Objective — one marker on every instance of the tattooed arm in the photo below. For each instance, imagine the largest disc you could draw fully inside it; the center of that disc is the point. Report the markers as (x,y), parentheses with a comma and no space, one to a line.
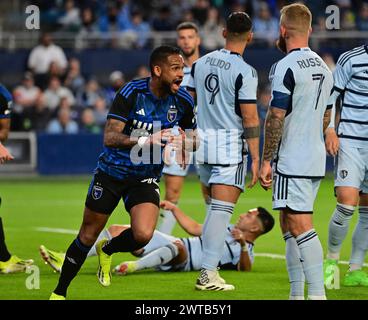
(274,125)
(115,138)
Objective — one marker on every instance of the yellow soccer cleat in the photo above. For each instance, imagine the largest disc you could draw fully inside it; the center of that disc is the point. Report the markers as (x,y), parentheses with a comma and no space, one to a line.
(14,264)
(55,296)
(104,264)
(54,259)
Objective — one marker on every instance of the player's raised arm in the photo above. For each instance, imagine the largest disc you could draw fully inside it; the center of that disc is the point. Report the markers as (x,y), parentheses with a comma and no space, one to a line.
(251,133)
(188,224)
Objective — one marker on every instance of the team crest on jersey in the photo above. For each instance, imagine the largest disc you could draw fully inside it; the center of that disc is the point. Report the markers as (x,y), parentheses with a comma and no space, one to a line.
(172,113)
(343,174)
(97,192)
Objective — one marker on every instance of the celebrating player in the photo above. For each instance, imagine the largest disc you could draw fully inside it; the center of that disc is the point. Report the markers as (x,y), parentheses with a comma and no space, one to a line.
(294,127)
(8,263)
(226,89)
(188,41)
(351,171)
(165,252)
(138,124)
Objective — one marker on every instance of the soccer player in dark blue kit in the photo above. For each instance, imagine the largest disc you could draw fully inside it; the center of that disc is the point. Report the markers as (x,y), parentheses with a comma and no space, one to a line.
(132,125)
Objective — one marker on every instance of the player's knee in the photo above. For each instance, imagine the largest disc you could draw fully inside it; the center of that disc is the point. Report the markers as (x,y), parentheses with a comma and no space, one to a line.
(172,194)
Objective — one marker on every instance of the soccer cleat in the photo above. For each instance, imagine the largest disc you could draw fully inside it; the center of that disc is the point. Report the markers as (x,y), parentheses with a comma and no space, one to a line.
(211,281)
(356,278)
(55,296)
(54,259)
(329,268)
(104,264)
(14,264)
(126,267)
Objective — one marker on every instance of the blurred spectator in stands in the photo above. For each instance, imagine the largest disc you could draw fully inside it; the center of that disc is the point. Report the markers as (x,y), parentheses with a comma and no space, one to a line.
(200,10)
(100,112)
(329,60)
(187,16)
(117,80)
(142,72)
(163,22)
(55,91)
(26,94)
(88,33)
(141,28)
(88,122)
(211,31)
(362,18)
(264,96)
(266,25)
(65,104)
(55,71)
(63,124)
(37,117)
(74,79)
(70,20)
(42,56)
(91,92)
(177,9)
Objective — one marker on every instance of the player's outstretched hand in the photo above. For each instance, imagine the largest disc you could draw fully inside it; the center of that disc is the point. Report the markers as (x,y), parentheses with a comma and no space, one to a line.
(4,155)
(167,205)
(254,172)
(265,175)
(332,142)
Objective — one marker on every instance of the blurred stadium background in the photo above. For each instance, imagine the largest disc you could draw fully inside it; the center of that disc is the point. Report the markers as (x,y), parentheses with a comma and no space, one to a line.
(101,44)
(59,112)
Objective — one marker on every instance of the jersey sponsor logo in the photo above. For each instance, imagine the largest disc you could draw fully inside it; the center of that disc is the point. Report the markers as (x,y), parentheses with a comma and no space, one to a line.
(97,192)
(343,173)
(141,112)
(212,86)
(172,114)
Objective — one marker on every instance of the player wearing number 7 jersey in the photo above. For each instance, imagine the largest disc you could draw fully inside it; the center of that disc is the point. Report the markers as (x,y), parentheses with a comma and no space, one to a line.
(294,127)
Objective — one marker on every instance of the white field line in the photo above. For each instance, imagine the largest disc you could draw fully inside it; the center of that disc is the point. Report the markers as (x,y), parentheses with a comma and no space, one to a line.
(263,255)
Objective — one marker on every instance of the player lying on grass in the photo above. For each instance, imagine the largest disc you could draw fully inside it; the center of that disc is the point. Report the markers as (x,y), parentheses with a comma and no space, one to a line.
(165,252)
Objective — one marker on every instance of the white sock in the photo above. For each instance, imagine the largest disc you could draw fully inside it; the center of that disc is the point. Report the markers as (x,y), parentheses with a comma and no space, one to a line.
(294,268)
(158,257)
(104,234)
(168,222)
(311,254)
(214,232)
(360,240)
(338,229)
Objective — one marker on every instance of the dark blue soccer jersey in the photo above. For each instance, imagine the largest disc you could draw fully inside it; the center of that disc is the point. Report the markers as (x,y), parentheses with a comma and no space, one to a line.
(5,100)
(135,105)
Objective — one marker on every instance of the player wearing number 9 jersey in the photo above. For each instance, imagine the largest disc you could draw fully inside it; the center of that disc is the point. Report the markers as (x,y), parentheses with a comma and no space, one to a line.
(296,120)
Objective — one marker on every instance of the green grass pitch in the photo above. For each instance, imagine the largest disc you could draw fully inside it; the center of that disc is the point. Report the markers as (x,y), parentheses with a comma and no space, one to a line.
(32,203)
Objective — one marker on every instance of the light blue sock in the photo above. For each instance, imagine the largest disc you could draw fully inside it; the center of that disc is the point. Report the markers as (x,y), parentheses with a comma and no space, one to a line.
(311,255)
(360,240)
(168,222)
(105,234)
(338,229)
(294,267)
(214,232)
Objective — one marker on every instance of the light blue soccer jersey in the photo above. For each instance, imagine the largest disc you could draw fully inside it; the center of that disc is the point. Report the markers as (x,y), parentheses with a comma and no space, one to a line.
(301,84)
(222,81)
(351,81)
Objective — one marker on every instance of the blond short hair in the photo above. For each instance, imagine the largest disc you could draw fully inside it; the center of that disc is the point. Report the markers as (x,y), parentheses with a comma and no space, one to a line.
(296,17)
